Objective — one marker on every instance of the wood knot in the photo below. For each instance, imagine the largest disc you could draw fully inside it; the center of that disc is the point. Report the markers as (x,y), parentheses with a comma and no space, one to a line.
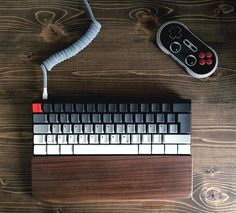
(224,9)
(27,57)
(58,210)
(3,183)
(210,171)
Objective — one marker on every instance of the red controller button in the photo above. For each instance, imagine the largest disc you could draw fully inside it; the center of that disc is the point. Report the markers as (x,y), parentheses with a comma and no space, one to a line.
(208,54)
(201,55)
(37,107)
(209,61)
(202,61)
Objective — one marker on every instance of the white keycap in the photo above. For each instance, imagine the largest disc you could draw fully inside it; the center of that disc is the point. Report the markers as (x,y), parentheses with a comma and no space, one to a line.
(171,149)
(184,149)
(66,149)
(104,139)
(39,139)
(115,139)
(156,138)
(83,139)
(158,149)
(125,139)
(146,139)
(40,149)
(135,139)
(93,139)
(106,149)
(61,139)
(72,139)
(53,150)
(51,139)
(177,138)
(145,149)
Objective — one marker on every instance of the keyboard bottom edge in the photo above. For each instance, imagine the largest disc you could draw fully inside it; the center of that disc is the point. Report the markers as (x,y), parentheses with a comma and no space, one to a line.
(71,179)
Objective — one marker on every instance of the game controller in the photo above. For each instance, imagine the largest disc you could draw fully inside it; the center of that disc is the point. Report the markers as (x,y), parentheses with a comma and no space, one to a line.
(176,40)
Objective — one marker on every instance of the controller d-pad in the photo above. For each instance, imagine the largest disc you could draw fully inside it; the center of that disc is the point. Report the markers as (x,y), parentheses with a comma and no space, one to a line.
(175,32)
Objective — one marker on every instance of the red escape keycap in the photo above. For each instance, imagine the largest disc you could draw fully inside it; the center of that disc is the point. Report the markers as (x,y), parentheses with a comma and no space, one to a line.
(202,61)
(208,54)
(37,107)
(201,55)
(209,61)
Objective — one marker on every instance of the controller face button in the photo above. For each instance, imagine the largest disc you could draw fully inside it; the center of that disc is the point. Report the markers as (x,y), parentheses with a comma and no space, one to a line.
(190,60)
(175,47)
(202,61)
(201,55)
(208,54)
(209,61)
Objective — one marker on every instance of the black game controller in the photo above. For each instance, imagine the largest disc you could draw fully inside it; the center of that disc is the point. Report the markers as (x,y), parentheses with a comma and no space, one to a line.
(176,40)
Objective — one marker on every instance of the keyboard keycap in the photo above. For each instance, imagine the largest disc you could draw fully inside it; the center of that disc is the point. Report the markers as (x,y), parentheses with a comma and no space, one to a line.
(99,128)
(75,118)
(146,138)
(40,149)
(104,139)
(58,108)
(83,139)
(101,108)
(120,128)
(162,128)
(39,139)
(149,118)
(78,128)
(158,149)
(56,128)
(115,139)
(185,123)
(106,118)
(130,128)
(117,118)
(177,138)
(160,118)
(53,118)
(156,138)
(139,118)
(93,139)
(136,139)
(144,107)
(123,107)
(155,107)
(90,108)
(53,149)
(165,107)
(182,107)
(152,128)
(184,149)
(171,118)
(64,118)
(67,128)
(62,139)
(72,139)
(112,108)
(51,139)
(96,118)
(109,128)
(141,128)
(85,118)
(79,108)
(47,107)
(172,128)
(171,149)
(128,118)
(66,149)
(125,139)
(134,107)
(145,149)
(69,108)
(40,118)
(88,128)
(42,128)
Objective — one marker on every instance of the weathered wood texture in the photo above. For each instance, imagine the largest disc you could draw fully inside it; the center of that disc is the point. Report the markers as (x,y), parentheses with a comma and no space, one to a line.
(123,59)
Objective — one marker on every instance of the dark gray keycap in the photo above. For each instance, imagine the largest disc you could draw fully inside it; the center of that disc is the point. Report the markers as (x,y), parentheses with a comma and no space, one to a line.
(165,107)
(117,118)
(85,118)
(139,118)
(53,118)
(149,118)
(162,128)
(141,128)
(79,107)
(69,108)
(106,118)
(172,128)
(133,107)
(58,108)
(155,107)
(182,107)
(128,118)
(40,118)
(75,118)
(64,118)
(152,128)
(170,118)
(185,123)
(96,118)
(123,107)
(160,118)
(112,108)
(90,107)
(42,128)
(144,107)
(47,107)
(101,107)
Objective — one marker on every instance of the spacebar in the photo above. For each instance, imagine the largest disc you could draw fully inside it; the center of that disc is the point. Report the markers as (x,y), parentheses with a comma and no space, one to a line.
(106,149)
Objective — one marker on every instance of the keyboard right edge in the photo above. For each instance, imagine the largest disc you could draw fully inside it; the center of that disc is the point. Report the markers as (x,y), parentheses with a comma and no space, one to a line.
(72,179)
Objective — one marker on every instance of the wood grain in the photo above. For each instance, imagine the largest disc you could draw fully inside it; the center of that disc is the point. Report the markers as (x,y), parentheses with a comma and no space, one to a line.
(123,59)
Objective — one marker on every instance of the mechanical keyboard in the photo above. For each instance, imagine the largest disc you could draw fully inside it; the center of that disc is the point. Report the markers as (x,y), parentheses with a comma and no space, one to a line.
(112,128)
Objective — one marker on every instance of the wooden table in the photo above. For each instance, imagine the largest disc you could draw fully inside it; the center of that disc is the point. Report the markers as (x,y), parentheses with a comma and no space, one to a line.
(123,59)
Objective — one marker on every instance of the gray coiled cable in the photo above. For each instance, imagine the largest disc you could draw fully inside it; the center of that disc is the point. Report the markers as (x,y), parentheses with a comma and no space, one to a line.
(70,51)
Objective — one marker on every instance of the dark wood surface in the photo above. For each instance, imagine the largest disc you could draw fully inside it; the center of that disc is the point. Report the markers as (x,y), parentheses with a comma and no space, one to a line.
(72,179)
(123,60)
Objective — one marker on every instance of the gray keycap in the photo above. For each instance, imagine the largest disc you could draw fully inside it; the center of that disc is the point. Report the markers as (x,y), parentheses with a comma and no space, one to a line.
(162,128)
(47,107)
(85,118)
(88,128)
(139,118)
(58,108)
(171,118)
(117,118)
(109,128)
(67,128)
(155,107)
(185,123)
(51,139)
(112,108)
(133,107)
(64,118)
(99,128)
(79,107)
(130,128)
(165,107)
(56,128)
(53,118)
(141,128)
(120,128)
(152,128)
(42,128)
(106,118)
(96,118)
(69,108)
(128,118)
(75,118)
(40,118)
(182,107)
(90,107)
(101,108)
(78,128)
(149,118)
(172,128)
(160,118)
(123,107)
(144,107)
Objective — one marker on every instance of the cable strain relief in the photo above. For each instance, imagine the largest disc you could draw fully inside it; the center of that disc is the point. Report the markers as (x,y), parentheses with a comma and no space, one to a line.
(45,94)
